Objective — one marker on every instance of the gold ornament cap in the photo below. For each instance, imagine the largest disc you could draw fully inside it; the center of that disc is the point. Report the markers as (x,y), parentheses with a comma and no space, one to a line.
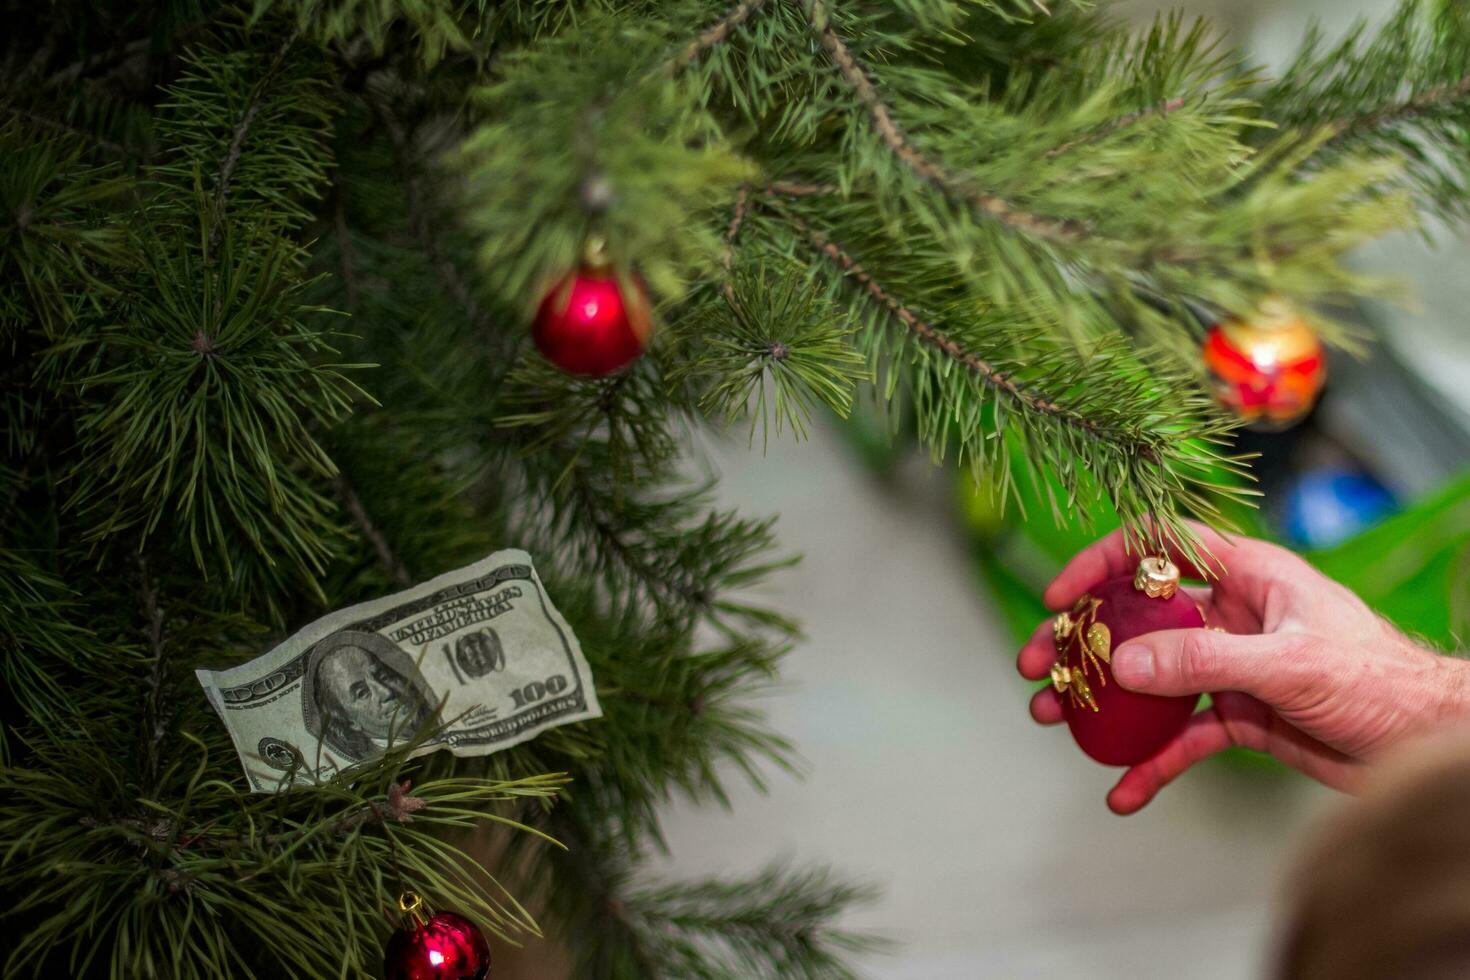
(594,255)
(1157,577)
(415,911)
(1274,333)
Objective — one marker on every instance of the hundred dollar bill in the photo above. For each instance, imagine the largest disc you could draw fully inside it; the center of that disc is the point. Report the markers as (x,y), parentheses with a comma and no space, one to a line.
(482,646)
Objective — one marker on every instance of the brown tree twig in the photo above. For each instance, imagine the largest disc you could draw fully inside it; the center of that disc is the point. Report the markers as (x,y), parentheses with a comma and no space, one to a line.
(660,584)
(1113,126)
(418,213)
(231,159)
(110,145)
(796,188)
(346,255)
(1403,111)
(386,556)
(115,54)
(22,478)
(717,33)
(397,806)
(779,188)
(742,208)
(951,185)
(929,334)
(157,727)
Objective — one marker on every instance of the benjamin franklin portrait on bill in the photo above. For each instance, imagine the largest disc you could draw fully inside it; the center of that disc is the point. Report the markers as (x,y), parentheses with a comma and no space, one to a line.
(362,694)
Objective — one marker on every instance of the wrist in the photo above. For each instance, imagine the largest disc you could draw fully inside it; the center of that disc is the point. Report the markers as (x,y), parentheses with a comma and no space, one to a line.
(1453,685)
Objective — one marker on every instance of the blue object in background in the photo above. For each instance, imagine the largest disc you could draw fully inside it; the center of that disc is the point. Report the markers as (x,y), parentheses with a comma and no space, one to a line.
(1327,506)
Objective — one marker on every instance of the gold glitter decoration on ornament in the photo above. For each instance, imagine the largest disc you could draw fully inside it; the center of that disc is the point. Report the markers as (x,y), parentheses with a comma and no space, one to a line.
(1079,630)
(1100,642)
(1061,628)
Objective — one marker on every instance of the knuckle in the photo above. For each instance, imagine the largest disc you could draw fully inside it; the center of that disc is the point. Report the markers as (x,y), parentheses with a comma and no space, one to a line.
(1199,659)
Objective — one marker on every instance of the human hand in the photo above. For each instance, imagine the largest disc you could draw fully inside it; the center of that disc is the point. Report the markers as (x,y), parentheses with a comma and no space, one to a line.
(1305,672)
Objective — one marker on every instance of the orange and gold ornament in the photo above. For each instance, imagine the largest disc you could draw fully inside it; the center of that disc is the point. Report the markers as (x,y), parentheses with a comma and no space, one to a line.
(1267,368)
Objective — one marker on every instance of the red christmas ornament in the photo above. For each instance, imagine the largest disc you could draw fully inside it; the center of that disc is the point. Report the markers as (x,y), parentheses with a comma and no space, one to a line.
(1115,726)
(1269,369)
(591,322)
(441,946)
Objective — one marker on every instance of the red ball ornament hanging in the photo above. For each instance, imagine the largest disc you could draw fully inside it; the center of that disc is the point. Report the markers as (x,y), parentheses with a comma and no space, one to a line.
(591,321)
(1115,726)
(438,946)
(1267,369)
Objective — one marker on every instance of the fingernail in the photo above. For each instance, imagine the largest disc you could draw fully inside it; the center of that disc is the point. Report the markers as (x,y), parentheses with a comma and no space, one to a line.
(1133,665)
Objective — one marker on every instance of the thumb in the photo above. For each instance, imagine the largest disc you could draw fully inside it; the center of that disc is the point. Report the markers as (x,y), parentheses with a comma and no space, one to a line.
(1273,667)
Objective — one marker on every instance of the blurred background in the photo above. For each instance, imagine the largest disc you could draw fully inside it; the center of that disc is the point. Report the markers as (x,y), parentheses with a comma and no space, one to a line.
(924,774)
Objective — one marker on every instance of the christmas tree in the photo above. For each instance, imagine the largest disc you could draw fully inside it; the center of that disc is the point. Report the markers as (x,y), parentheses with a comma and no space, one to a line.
(269,276)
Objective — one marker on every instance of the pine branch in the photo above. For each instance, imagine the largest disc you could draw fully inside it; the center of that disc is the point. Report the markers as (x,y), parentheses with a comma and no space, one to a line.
(951,185)
(771,925)
(346,256)
(119,52)
(1023,396)
(665,584)
(396,806)
(1432,99)
(417,202)
(718,32)
(597,894)
(1115,126)
(61,127)
(390,561)
(1400,91)
(156,729)
(237,139)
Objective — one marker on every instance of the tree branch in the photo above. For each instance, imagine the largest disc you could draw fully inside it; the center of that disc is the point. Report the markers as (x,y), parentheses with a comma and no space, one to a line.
(346,257)
(1430,98)
(397,806)
(936,174)
(418,216)
(117,53)
(717,33)
(56,124)
(386,556)
(237,140)
(742,208)
(1110,127)
(156,730)
(1018,392)
(654,578)
(580,857)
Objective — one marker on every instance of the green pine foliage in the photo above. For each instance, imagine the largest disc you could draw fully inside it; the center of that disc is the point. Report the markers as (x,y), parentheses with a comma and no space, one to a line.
(1398,91)
(265,276)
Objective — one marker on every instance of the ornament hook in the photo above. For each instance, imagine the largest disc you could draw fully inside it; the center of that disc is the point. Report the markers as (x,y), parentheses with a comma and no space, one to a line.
(411,904)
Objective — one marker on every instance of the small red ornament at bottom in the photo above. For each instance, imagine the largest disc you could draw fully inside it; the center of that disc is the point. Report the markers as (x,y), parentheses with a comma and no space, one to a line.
(441,946)
(592,322)
(1114,726)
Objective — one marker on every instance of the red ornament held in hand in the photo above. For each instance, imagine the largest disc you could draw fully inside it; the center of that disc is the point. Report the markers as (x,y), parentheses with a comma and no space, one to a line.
(592,322)
(1268,369)
(1115,726)
(441,946)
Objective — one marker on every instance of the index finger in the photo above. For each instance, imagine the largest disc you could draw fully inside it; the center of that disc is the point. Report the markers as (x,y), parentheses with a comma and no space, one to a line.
(1109,557)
